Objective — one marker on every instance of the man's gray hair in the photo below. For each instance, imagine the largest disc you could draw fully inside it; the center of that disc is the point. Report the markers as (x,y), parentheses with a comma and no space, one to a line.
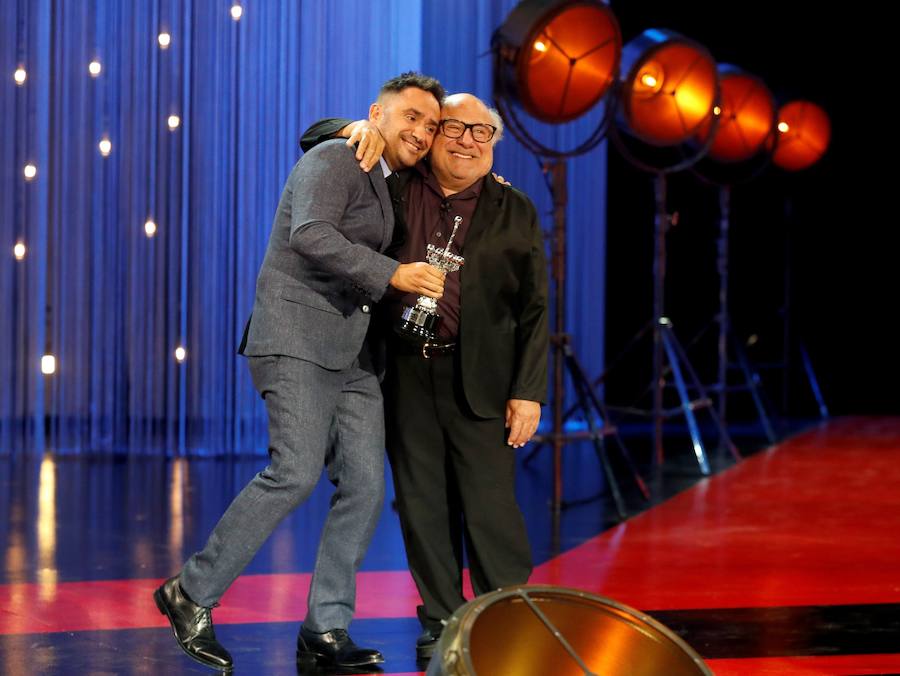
(498,122)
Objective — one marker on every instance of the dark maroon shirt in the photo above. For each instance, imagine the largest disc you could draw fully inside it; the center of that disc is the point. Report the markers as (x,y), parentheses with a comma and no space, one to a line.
(429,219)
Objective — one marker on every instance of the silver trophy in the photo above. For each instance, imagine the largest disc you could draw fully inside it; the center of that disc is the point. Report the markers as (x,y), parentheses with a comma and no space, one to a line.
(421,320)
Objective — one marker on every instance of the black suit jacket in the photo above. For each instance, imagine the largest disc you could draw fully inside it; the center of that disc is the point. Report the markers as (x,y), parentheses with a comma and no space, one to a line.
(504,316)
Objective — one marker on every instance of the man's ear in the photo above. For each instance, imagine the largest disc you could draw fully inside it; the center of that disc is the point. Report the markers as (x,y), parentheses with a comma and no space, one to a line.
(376,112)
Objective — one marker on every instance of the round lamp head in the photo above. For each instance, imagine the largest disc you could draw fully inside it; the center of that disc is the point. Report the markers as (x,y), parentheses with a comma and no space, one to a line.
(804,132)
(560,57)
(746,117)
(669,87)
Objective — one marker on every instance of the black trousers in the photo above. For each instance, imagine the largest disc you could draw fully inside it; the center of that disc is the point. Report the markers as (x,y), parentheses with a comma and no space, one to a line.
(454,477)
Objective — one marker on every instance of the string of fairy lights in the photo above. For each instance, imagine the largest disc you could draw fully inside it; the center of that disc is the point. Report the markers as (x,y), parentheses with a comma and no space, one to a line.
(30,171)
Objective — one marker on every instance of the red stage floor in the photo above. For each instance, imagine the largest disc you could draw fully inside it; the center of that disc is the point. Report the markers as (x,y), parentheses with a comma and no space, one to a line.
(787,563)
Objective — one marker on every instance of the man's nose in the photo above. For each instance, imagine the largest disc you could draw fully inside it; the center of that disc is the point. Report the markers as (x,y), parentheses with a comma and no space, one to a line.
(467,141)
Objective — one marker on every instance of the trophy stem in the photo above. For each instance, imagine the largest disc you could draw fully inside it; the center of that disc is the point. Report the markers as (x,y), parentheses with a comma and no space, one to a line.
(421,321)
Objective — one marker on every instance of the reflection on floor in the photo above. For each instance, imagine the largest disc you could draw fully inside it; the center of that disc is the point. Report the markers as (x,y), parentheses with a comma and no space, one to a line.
(786,563)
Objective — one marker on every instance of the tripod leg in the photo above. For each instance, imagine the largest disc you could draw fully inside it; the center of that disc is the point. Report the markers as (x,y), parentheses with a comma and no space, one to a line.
(675,346)
(753,384)
(578,376)
(813,381)
(596,437)
(699,451)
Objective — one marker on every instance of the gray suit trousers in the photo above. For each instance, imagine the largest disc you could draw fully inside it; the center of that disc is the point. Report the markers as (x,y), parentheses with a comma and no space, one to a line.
(316,417)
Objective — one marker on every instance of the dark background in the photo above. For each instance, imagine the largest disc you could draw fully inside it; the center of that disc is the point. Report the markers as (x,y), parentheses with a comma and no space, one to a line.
(829,228)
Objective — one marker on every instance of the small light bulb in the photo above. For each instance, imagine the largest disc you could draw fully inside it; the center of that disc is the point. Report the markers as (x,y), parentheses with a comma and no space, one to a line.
(19,250)
(94,68)
(20,76)
(174,121)
(648,80)
(717,111)
(783,127)
(236,12)
(105,147)
(180,354)
(150,227)
(540,46)
(164,40)
(30,171)
(48,364)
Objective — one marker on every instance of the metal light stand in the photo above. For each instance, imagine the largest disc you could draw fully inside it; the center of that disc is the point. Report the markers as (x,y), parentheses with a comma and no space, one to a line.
(726,336)
(669,356)
(790,342)
(564,359)
(666,347)
(727,343)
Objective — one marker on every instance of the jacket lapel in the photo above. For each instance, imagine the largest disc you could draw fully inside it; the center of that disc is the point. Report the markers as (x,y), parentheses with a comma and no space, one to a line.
(376,177)
(485,211)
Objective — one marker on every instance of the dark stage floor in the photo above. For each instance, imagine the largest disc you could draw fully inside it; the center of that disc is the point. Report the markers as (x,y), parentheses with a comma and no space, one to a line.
(787,563)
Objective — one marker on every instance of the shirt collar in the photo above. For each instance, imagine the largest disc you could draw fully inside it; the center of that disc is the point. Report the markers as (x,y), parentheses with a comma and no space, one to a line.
(385,169)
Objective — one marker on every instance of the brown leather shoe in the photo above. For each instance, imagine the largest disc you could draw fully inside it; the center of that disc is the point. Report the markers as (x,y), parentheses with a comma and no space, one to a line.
(192,625)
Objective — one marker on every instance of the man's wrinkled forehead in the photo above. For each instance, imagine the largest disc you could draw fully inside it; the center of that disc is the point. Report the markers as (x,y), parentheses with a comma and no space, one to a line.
(466,111)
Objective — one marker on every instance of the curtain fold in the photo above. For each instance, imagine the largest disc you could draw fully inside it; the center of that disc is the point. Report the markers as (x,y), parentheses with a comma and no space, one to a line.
(112,304)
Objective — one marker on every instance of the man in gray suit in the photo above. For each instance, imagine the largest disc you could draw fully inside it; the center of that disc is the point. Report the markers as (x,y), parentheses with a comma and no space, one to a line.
(311,362)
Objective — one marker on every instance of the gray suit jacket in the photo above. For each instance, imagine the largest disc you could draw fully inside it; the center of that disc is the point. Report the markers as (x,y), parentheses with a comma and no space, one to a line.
(323,267)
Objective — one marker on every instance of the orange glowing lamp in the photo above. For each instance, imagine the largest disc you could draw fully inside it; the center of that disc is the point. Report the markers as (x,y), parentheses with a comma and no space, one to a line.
(669,87)
(562,56)
(746,117)
(804,132)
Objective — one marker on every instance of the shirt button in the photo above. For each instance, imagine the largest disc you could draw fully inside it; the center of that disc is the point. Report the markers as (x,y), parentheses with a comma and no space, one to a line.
(365,308)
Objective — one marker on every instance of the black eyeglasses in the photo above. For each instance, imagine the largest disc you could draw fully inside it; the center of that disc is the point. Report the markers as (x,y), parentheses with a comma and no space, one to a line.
(455,129)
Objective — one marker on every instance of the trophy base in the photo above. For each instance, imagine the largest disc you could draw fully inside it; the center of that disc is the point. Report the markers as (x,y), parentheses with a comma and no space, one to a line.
(418,324)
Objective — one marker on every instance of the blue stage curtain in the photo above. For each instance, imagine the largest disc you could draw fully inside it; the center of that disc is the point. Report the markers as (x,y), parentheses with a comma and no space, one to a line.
(112,304)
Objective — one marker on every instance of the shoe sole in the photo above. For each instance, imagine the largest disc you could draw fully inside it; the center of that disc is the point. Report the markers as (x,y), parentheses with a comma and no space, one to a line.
(320,661)
(425,652)
(161,606)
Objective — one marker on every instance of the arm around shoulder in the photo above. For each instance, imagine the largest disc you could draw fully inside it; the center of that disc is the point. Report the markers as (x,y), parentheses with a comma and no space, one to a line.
(324,184)
(321,131)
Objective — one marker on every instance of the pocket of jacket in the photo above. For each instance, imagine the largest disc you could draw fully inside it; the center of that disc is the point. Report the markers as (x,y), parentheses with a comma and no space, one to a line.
(308,297)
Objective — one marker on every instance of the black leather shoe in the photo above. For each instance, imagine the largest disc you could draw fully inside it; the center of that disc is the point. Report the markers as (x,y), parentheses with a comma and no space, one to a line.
(426,643)
(333,650)
(192,625)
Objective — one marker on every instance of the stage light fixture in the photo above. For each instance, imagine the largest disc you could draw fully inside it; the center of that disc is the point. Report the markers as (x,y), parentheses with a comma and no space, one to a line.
(19,250)
(558,58)
(804,134)
(236,12)
(669,87)
(180,354)
(150,227)
(746,117)
(164,40)
(20,76)
(560,631)
(105,147)
(173,122)
(94,68)
(669,91)
(29,171)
